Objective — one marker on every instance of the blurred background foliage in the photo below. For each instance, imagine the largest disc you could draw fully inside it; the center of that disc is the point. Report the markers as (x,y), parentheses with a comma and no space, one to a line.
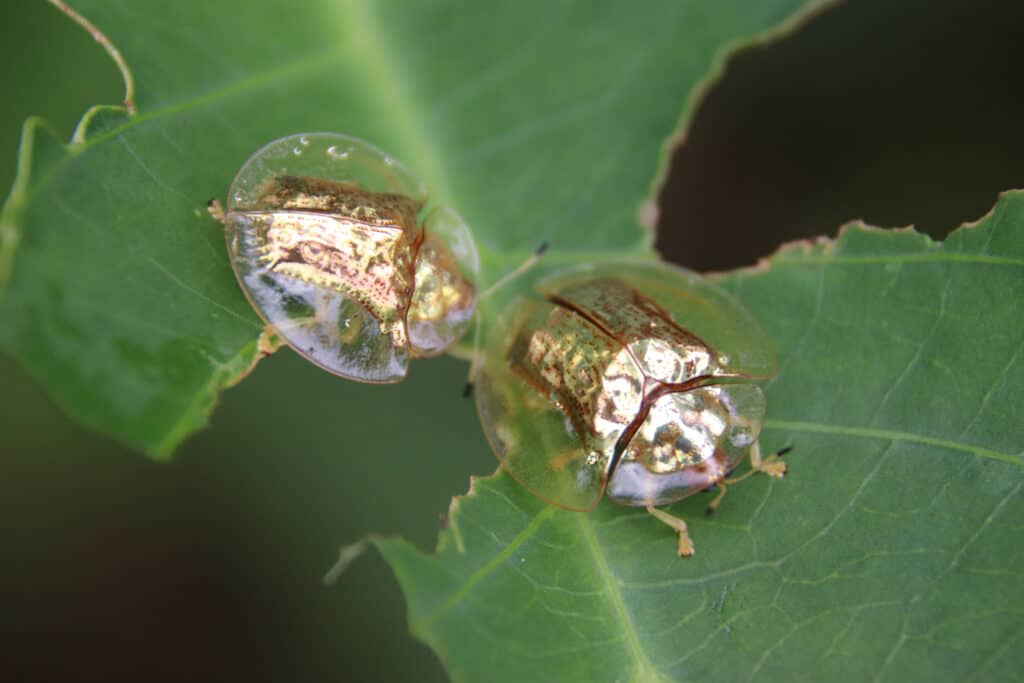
(120,568)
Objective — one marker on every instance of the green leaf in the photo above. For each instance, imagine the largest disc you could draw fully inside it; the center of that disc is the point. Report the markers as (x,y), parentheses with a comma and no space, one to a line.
(890,552)
(546,122)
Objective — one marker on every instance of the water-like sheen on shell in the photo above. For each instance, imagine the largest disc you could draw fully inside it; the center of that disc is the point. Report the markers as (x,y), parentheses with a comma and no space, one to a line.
(325,236)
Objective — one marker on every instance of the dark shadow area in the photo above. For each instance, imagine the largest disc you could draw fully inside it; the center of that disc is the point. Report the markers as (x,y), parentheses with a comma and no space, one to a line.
(894,113)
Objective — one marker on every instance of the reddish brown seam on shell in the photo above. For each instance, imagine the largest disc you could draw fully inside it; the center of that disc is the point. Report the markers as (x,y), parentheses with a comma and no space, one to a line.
(650,396)
(412,275)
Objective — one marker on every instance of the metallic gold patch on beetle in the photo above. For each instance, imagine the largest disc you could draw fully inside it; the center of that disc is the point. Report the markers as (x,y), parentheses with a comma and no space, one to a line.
(601,388)
(325,235)
(665,351)
(585,373)
(600,353)
(360,244)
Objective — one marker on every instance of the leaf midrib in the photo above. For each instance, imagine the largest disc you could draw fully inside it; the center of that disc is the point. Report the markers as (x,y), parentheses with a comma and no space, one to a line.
(364,38)
(642,664)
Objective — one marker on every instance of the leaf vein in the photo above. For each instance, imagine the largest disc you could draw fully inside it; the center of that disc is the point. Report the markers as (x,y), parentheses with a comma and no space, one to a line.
(642,662)
(892,435)
(927,257)
(492,564)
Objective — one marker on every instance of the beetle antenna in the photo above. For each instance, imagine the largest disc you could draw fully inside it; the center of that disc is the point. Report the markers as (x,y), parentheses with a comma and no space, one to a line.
(511,275)
(467,391)
(508,277)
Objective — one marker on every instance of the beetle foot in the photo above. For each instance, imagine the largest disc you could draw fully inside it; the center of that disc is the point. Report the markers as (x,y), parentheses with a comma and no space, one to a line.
(269,341)
(685,547)
(773,466)
(216,210)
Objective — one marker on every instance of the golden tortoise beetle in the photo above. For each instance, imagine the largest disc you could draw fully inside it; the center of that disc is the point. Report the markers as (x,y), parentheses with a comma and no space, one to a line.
(635,381)
(334,245)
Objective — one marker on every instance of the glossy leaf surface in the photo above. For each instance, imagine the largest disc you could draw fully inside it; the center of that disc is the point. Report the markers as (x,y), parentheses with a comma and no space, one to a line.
(535,123)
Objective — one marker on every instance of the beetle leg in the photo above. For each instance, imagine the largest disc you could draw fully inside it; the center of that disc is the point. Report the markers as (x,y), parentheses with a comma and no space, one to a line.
(773,466)
(269,341)
(474,359)
(216,210)
(713,505)
(685,544)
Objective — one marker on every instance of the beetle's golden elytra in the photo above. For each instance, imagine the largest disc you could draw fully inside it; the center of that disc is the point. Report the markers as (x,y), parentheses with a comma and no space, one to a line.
(637,382)
(333,244)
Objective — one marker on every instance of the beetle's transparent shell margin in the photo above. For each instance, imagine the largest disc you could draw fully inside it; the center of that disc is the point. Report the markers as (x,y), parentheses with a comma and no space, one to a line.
(634,380)
(334,245)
